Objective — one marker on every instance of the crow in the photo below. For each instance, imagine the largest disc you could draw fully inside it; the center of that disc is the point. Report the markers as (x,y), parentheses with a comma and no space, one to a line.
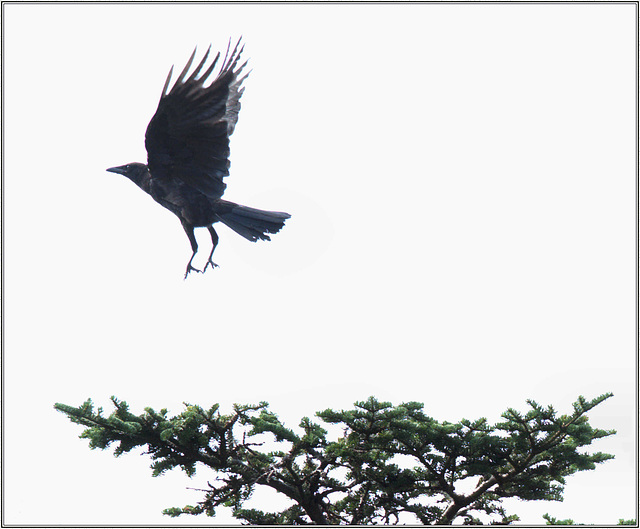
(187,143)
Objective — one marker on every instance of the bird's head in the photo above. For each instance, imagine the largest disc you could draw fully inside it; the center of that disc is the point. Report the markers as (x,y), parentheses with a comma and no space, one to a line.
(134,171)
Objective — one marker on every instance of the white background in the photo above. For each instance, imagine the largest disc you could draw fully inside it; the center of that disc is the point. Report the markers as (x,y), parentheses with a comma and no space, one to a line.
(461,180)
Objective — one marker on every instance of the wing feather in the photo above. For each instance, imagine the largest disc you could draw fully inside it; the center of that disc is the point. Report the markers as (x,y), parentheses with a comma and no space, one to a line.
(183,74)
(188,137)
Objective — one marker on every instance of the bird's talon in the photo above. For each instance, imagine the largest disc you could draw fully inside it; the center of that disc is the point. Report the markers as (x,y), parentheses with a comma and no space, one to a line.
(190,269)
(213,265)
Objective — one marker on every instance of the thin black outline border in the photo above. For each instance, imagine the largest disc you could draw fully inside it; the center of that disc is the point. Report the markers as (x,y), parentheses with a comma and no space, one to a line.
(313,2)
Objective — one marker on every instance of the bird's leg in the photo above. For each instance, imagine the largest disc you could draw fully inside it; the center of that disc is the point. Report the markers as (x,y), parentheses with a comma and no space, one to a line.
(194,246)
(214,241)
(190,268)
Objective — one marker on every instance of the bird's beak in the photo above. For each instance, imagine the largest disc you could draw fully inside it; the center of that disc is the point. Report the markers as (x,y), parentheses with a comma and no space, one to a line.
(120,170)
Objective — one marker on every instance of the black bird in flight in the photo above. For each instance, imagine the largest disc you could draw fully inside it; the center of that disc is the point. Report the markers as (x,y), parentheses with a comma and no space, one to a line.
(187,144)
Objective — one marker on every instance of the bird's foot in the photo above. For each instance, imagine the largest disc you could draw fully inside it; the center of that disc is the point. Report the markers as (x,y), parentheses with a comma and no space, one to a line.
(213,265)
(191,268)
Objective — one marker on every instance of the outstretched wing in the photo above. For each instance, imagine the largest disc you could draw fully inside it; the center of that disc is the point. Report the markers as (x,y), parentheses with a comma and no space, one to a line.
(188,136)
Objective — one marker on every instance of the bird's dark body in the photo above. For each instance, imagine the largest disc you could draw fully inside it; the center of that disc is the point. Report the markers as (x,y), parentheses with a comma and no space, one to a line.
(186,203)
(187,142)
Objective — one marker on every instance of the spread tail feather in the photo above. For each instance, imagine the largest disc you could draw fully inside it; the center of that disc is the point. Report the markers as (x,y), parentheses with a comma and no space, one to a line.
(251,223)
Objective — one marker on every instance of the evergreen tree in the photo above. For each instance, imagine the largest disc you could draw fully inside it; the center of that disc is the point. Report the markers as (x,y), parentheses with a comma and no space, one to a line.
(393,464)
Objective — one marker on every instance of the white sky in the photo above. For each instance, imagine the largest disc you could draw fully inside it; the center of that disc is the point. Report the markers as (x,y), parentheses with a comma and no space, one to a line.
(461,180)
